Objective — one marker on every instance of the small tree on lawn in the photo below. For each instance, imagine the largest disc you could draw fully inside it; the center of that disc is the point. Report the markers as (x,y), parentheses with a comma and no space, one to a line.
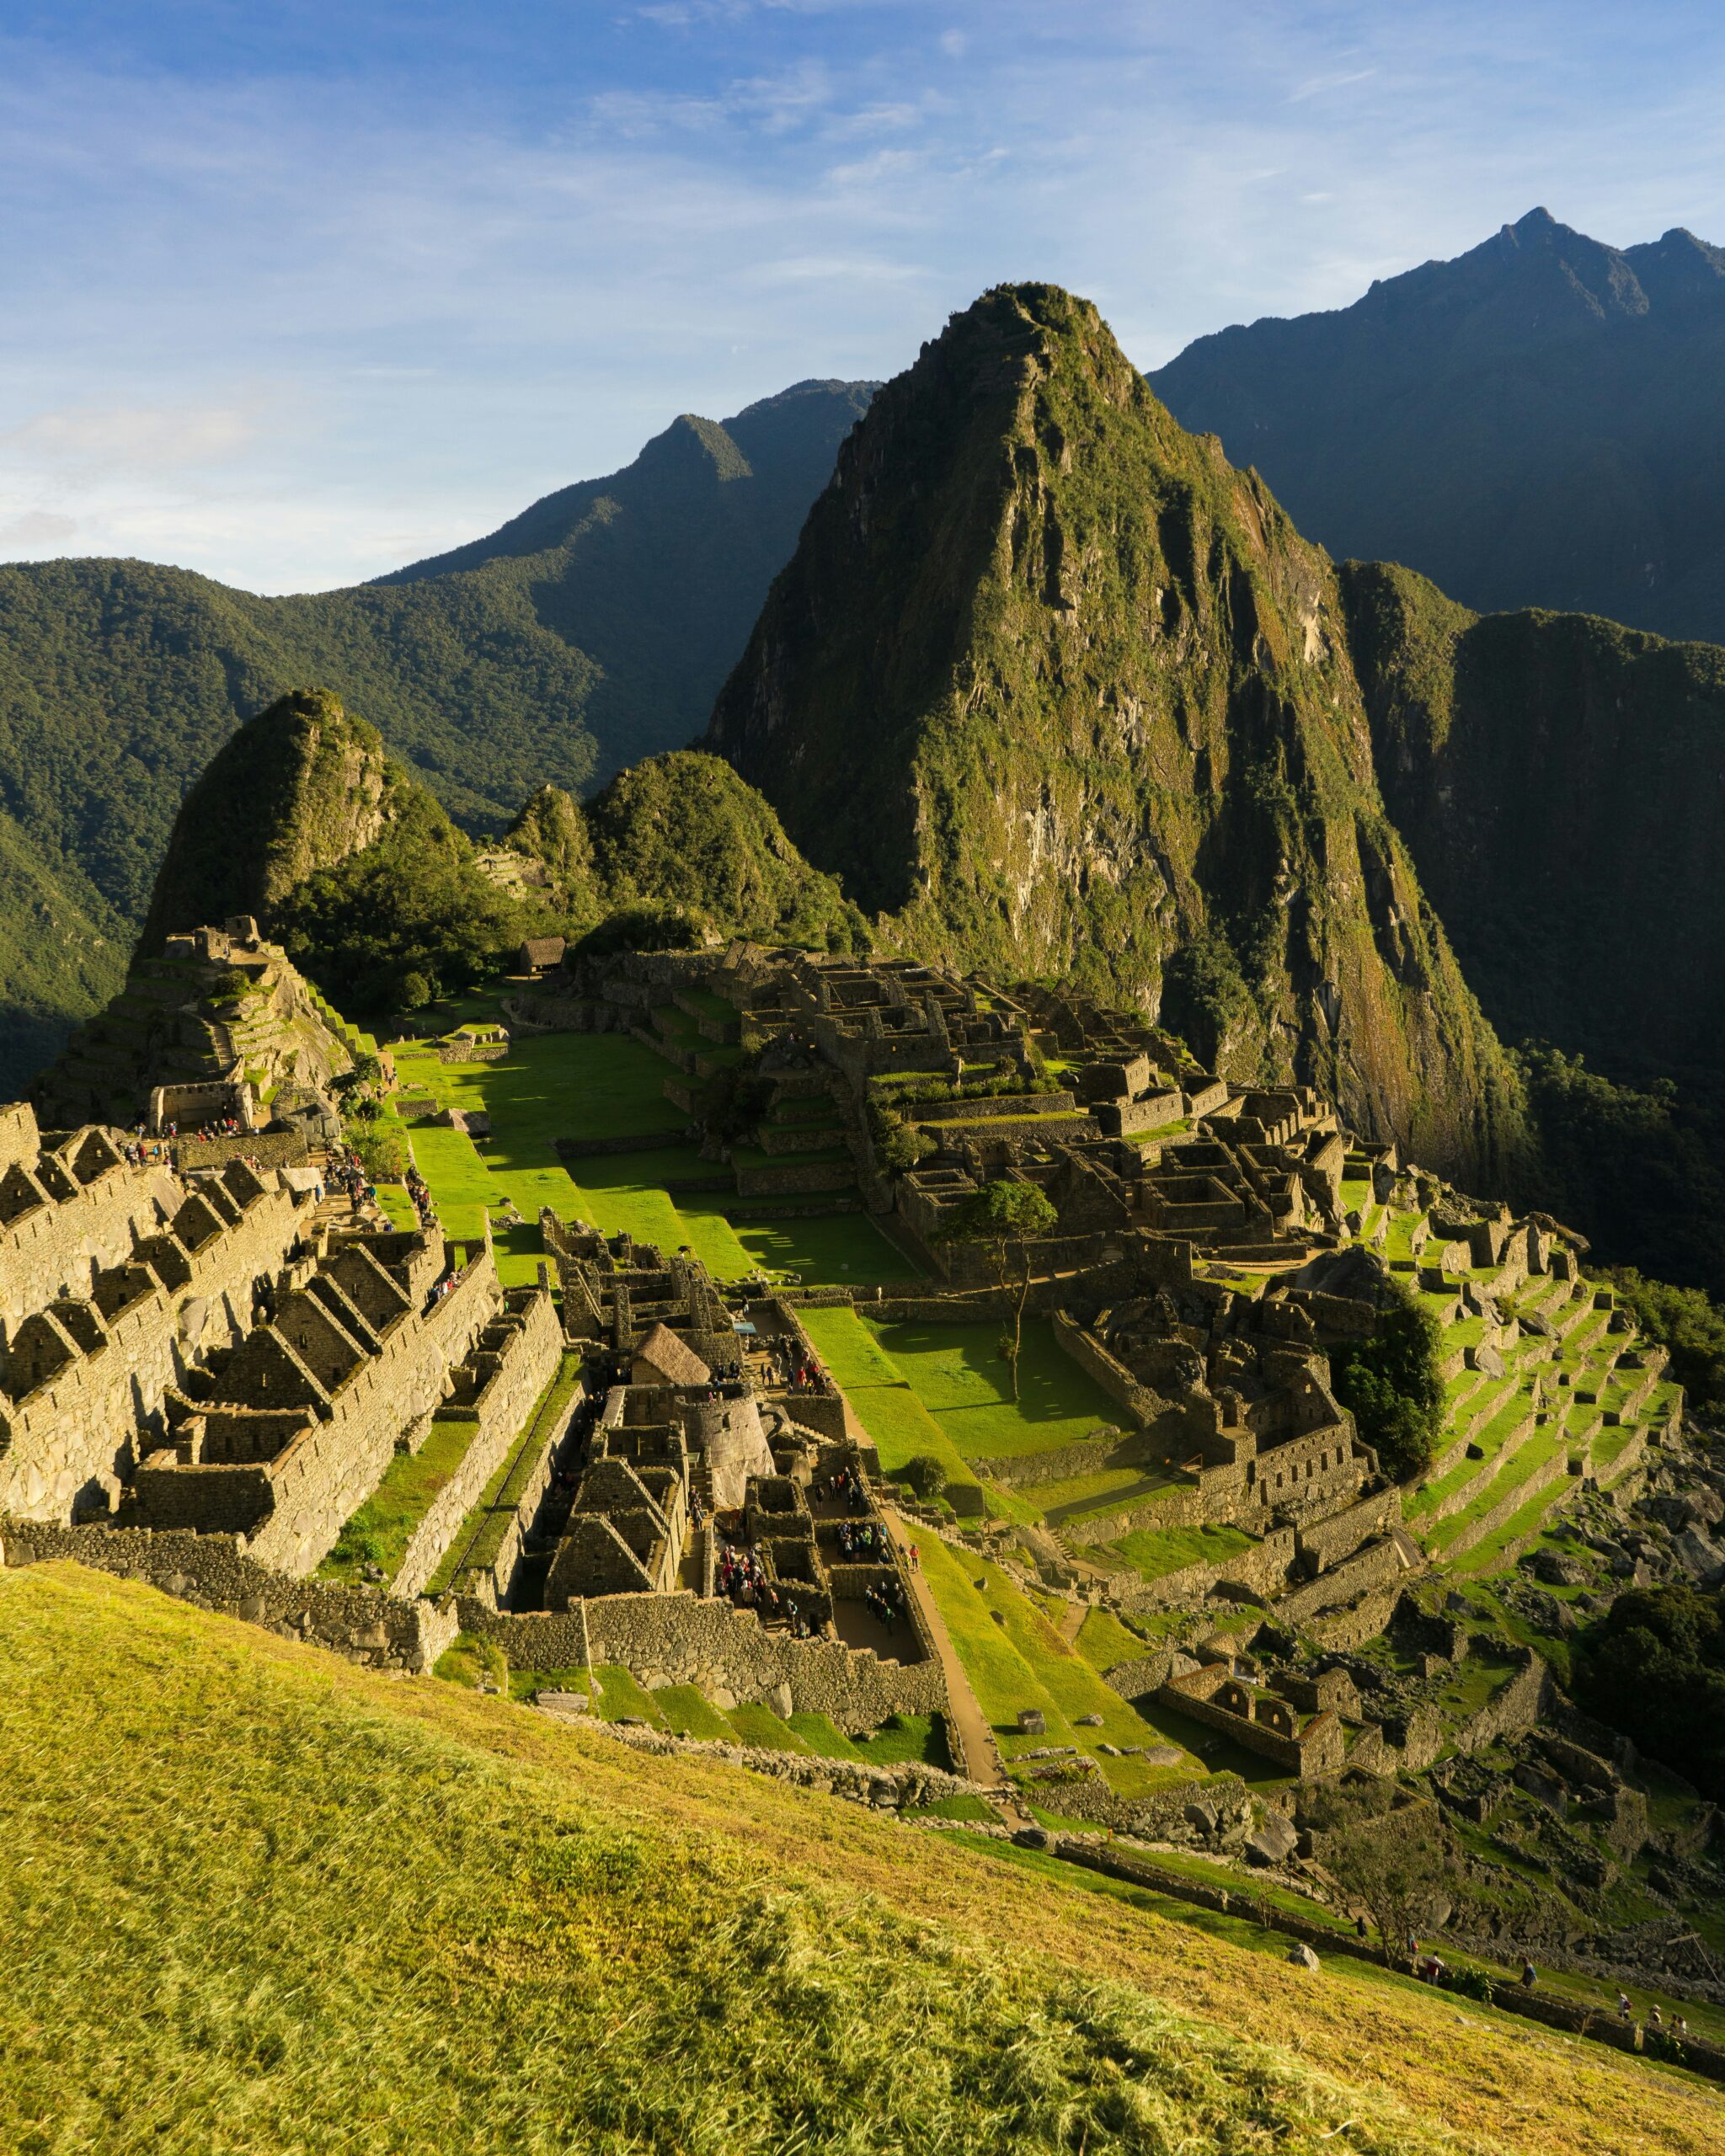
(999,1216)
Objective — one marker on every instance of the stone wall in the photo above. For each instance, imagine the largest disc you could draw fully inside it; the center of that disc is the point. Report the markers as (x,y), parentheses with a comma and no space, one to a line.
(81,1425)
(1140,1404)
(1325,1542)
(57,1246)
(529,1362)
(1260,1570)
(893,1788)
(214,1573)
(327,1474)
(1377,1565)
(677,1639)
(265,1148)
(1526,1700)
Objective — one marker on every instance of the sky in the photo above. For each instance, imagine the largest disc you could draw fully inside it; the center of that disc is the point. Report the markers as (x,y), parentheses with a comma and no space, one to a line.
(292,292)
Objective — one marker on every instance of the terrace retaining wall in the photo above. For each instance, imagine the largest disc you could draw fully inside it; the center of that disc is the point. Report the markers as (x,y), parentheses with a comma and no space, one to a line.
(213,1572)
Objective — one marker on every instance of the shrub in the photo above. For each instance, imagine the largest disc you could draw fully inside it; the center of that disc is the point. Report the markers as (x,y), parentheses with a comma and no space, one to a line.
(925,1475)
(1391,1382)
(1654,1666)
(899,1145)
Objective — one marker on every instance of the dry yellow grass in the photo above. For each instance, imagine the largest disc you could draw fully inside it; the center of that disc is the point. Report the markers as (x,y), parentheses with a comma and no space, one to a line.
(121,1709)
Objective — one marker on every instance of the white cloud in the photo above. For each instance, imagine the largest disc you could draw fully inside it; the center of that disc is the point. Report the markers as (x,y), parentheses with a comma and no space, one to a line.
(81,437)
(37,532)
(454,303)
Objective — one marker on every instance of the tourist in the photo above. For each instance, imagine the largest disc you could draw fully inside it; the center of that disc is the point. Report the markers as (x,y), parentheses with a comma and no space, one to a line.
(1624,2010)
(1529,1976)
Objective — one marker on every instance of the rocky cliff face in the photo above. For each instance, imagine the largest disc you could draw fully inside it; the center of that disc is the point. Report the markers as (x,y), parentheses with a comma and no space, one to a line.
(301,788)
(1561,784)
(1060,692)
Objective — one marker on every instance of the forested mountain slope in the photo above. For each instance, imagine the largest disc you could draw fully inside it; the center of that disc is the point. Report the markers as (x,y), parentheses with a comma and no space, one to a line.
(591,631)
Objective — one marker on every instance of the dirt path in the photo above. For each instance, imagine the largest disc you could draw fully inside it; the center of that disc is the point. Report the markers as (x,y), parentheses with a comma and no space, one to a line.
(1072,1621)
(981,1760)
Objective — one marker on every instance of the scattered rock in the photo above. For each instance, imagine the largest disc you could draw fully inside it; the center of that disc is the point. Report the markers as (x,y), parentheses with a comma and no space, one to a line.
(1273,1841)
(1301,1957)
(1034,1837)
(1557,1570)
(1087,1721)
(1032,1723)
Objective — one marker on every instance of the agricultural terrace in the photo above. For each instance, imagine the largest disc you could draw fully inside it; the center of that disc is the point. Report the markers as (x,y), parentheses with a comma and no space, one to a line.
(595,1088)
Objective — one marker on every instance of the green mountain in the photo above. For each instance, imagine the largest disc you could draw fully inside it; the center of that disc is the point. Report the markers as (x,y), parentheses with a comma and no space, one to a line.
(1059,692)
(684,832)
(590,630)
(1537,423)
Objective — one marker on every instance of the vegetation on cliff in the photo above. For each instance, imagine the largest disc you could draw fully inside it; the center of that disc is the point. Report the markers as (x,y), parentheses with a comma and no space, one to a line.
(1055,688)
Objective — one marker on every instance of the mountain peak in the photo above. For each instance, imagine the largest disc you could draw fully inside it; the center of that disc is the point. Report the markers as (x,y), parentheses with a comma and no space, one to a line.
(1040,668)
(296,789)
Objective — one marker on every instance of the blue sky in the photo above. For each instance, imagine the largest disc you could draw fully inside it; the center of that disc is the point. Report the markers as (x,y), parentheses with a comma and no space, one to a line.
(293,291)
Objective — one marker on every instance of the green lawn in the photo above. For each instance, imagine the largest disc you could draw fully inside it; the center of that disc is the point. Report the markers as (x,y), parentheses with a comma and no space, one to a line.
(379,1531)
(600,1086)
(959,1375)
(845,1248)
(1021,1661)
(1103,1641)
(1153,1552)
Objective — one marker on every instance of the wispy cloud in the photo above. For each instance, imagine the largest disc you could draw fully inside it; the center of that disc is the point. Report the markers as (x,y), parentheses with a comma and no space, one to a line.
(473,266)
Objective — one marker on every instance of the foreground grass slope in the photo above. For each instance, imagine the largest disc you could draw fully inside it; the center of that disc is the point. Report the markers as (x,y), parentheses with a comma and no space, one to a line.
(260,1900)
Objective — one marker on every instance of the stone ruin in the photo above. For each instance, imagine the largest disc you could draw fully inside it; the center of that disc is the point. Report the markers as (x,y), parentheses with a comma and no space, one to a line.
(717,1453)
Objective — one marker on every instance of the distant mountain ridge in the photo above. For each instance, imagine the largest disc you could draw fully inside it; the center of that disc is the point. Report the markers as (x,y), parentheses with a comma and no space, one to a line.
(1536,423)
(587,633)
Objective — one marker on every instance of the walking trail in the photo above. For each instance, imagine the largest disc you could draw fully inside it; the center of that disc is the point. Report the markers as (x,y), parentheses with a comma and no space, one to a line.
(981,1758)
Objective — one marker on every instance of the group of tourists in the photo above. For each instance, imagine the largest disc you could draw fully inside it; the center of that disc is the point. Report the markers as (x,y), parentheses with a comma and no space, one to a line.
(887,1604)
(798,1372)
(346,1171)
(741,1576)
(845,1485)
(862,1539)
(419,1192)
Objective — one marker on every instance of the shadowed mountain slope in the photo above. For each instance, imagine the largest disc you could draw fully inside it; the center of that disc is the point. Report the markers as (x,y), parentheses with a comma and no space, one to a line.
(1537,423)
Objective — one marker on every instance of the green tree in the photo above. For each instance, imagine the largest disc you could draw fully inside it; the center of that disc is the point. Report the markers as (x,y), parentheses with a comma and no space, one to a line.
(1006,1217)
(1392,1384)
(1654,1666)
(898,1143)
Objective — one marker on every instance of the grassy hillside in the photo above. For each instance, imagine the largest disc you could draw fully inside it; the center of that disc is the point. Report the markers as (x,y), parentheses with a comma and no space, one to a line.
(273,1903)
